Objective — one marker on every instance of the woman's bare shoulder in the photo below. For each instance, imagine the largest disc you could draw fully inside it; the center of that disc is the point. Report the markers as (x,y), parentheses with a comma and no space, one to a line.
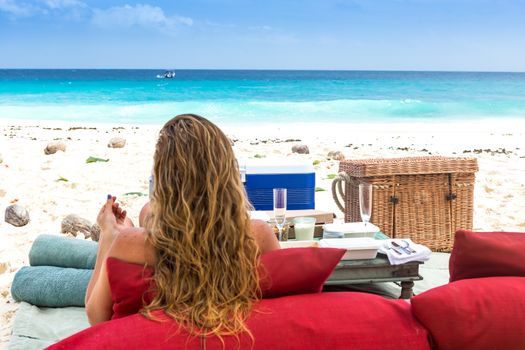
(131,245)
(264,236)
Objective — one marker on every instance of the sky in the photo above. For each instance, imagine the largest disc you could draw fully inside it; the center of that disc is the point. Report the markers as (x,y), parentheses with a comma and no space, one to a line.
(442,35)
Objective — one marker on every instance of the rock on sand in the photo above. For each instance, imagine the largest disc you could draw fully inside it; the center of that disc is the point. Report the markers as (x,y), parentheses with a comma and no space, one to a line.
(95,232)
(336,155)
(53,147)
(74,224)
(16,215)
(301,149)
(117,142)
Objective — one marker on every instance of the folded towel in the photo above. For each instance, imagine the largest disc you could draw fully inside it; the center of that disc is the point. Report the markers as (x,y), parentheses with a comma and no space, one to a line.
(51,250)
(51,286)
(405,251)
(36,328)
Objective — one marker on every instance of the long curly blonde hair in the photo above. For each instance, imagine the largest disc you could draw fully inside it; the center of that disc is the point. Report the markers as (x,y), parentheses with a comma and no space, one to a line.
(206,269)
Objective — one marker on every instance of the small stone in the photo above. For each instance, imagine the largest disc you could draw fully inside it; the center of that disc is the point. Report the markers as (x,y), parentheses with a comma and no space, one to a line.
(336,155)
(301,149)
(4,267)
(16,215)
(117,142)
(54,147)
(95,232)
(1,159)
(73,224)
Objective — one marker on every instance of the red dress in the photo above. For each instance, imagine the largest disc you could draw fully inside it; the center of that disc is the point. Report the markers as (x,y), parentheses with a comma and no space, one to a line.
(131,286)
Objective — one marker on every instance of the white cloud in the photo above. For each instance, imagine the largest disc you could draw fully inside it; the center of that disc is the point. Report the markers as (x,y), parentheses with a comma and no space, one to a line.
(146,16)
(18,9)
(62,4)
(141,15)
(42,7)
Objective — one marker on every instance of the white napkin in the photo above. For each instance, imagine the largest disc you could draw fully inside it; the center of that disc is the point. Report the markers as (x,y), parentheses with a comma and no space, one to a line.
(418,252)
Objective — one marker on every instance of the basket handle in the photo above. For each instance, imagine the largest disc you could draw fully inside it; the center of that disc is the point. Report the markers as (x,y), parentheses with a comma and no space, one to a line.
(338,189)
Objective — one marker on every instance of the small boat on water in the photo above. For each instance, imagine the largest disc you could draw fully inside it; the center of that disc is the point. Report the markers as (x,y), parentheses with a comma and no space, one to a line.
(169,74)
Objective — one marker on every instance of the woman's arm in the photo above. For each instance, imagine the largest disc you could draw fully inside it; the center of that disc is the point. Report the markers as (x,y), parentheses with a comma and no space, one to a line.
(98,301)
(264,236)
(144,212)
(99,306)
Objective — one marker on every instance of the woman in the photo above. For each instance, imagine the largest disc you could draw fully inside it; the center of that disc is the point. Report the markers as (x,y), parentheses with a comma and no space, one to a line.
(198,236)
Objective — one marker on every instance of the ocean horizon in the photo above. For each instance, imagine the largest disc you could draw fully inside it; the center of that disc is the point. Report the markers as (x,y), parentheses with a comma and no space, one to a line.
(240,97)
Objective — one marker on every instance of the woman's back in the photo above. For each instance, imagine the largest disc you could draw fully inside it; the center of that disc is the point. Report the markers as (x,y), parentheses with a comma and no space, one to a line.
(199,239)
(130,269)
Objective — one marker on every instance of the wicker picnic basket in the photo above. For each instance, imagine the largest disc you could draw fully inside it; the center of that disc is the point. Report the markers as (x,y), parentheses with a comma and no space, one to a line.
(425,199)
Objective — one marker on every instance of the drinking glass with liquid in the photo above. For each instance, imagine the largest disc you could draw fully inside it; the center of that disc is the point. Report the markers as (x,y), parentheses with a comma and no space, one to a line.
(365,201)
(279,209)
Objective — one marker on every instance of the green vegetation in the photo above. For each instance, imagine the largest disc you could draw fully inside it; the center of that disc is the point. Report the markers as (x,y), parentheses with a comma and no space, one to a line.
(140,194)
(316,162)
(319,189)
(96,159)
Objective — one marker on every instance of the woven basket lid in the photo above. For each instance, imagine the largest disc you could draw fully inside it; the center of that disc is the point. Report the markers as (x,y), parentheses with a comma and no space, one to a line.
(408,166)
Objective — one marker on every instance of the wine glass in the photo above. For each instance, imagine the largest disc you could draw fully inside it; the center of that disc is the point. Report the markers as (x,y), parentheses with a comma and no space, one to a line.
(279,209)
(365,201)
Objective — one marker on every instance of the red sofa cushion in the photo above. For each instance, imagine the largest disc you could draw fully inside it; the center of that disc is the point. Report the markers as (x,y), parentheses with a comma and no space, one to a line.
(487,254)
(482,313)
(297,270)
(283,272)
(314,321)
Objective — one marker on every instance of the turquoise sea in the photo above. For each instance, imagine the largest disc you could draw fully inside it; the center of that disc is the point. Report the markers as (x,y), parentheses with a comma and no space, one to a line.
(259,96)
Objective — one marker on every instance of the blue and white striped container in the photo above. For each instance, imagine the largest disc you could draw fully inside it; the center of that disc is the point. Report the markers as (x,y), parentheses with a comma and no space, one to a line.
(261,176)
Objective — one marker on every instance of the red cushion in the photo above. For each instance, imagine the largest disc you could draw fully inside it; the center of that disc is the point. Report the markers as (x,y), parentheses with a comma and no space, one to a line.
(482,313)
(487,254)
(314,321)
(297,270)
(129,285)
(283,272)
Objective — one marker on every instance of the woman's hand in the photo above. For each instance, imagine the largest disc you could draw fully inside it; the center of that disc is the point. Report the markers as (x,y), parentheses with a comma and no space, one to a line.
(111,219)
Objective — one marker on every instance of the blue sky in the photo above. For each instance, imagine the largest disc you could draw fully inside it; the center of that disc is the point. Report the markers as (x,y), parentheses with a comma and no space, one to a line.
(465,35)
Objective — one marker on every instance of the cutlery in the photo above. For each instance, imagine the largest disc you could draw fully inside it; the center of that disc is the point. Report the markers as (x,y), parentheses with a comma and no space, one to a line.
(394,249)
(397,245)
(407,246)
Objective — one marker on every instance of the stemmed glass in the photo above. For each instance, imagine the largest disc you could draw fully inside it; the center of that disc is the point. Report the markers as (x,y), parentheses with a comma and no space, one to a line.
(279,209)
(365,201)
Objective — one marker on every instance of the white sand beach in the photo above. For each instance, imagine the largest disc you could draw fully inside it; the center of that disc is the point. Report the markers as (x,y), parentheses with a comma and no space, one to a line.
(30,178)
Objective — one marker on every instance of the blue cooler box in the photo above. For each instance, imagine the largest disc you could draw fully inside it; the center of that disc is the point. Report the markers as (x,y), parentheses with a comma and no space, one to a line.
(261,176)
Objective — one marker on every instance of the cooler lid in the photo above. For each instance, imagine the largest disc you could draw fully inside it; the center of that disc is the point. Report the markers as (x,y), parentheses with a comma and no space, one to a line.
(275,166)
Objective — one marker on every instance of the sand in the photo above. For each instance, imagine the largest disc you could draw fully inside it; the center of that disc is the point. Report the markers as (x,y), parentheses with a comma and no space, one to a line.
(30,178)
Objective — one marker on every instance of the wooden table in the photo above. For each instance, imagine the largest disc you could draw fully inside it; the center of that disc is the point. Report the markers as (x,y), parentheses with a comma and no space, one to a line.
(363,271)
(375,271)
